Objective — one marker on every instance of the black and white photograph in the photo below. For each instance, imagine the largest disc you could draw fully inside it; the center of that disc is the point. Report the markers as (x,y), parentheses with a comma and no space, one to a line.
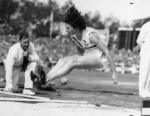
(74,57)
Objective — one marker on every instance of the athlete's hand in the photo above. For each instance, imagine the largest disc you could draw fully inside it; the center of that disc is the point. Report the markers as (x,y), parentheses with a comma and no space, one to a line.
(115,78)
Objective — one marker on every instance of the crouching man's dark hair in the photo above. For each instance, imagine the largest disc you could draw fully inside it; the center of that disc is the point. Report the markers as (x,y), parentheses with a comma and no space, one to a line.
(23,35)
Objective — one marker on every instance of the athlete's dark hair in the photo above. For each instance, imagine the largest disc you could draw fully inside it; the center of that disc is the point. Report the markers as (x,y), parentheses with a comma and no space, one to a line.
(74,18)
(23,35)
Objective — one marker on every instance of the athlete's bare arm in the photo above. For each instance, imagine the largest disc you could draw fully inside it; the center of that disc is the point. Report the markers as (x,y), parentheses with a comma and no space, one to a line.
(96,40)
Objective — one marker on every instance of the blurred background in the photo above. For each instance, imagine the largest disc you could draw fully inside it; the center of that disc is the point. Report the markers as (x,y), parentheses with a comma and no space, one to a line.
(118,22)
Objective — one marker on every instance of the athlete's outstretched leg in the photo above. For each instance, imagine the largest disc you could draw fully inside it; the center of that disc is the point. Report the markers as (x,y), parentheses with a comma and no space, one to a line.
(61,62)
(79,62)
(64,70)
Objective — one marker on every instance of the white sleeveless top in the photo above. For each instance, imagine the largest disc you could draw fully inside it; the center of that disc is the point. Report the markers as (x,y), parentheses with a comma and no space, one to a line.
(85,42)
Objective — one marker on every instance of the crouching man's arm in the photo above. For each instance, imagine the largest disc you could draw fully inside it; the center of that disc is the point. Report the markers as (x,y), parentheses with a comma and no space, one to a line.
(33,56)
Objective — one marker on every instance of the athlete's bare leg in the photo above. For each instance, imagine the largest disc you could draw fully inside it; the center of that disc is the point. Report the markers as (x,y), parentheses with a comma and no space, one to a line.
(77,61)
(61,62)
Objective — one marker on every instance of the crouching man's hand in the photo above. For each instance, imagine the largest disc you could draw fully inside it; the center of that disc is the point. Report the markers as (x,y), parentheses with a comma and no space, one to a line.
(25,54)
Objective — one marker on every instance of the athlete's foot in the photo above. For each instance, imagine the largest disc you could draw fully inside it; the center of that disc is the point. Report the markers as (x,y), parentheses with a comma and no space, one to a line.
(49,88)
(50,84)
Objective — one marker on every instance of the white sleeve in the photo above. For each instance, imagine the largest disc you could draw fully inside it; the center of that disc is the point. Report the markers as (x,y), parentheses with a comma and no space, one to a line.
(33,54)
(10,60)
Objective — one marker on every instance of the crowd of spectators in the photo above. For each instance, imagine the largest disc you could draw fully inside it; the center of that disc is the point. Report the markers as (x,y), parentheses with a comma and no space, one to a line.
(50,50)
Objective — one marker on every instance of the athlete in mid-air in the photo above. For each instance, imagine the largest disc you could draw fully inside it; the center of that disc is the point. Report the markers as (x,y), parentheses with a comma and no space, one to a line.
(86,38)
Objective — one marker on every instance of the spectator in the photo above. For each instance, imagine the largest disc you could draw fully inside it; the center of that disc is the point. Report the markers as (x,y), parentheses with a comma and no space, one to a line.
(143,42)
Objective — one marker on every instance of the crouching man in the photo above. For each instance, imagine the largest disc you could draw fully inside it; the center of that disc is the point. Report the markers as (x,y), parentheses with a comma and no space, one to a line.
(21,57)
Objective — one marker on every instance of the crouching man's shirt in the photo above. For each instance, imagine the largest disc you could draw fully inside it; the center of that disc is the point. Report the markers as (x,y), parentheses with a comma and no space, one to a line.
(15,56)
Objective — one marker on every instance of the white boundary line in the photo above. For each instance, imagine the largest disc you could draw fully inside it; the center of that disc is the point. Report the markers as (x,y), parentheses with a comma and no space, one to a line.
(24,100)
(42,100)
(22,95)
(27,98)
